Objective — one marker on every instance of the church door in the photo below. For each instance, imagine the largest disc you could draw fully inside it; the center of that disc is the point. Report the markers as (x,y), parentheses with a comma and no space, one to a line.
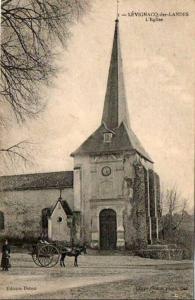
(108,229)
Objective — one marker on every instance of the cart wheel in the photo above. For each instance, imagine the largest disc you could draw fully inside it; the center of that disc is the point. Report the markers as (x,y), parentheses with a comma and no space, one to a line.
(48,256)
(35,259)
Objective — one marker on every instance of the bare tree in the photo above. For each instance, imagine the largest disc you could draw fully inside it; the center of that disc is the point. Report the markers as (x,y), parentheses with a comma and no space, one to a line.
(177,225)
(174,206)
(30,30)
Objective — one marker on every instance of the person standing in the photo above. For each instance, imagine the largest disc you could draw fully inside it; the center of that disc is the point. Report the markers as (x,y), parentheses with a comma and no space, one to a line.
(5,260)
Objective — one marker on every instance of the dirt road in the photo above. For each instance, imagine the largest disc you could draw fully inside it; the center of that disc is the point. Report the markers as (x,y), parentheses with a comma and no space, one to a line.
(101,277)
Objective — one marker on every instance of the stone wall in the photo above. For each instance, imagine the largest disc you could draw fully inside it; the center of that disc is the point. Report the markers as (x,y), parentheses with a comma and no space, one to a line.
(155,205)
(76,227)
(99,192)
(82,163)
(135,223)
(147,206)
(126,190)
(152,194)
(23,210)
(158,204)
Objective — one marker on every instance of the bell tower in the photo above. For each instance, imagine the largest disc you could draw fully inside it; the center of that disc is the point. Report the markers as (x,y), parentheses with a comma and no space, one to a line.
(104,169)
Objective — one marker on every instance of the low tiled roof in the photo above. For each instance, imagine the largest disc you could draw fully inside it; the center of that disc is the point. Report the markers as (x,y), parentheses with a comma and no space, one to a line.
(66,207)
(56,180)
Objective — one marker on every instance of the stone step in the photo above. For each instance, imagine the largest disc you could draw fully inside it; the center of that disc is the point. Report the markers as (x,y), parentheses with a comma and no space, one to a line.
(161,246)
(160,253)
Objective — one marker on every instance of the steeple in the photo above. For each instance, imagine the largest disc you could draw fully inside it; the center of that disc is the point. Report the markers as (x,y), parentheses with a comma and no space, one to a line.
(114,134)
(115,107)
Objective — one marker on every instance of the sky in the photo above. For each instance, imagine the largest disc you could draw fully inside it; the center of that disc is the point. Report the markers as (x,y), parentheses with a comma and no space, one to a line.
(158,63)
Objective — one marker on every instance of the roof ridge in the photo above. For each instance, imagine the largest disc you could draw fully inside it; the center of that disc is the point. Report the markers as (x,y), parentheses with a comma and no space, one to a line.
(37,173)
(54,180)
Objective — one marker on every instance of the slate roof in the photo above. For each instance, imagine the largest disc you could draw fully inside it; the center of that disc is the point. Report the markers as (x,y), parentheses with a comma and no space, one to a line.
(115,105)
(136,144)
(124,139)
(63,179)
(65,207)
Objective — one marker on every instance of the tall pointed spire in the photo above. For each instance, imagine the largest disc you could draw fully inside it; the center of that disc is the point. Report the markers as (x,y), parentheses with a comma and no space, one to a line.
(115,114)
(115,107)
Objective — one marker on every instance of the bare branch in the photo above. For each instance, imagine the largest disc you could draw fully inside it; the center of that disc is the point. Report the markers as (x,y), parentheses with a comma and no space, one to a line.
(30,28)
(4,3)
(177,225)
(19,150)
(174,215)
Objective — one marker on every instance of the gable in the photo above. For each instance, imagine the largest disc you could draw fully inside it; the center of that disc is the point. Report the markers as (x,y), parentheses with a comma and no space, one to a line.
(123,139)
(95,143)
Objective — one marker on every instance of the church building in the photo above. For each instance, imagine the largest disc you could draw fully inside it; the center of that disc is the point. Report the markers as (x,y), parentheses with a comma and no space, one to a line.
(110,200)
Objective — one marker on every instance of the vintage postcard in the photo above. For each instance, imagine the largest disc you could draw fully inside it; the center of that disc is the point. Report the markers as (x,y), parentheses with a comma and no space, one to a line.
(96,149)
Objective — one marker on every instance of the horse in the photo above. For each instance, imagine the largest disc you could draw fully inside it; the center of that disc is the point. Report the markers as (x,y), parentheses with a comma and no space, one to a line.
(74,252)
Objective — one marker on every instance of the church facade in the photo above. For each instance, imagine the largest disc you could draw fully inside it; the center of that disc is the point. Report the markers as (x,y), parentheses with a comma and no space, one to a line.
(112,197)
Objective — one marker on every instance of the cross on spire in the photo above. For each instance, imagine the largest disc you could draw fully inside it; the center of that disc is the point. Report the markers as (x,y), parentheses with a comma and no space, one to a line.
(117,5)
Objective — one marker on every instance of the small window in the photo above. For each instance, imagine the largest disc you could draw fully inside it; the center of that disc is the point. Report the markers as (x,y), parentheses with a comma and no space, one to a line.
(2,225)
(107,137)
(60,219)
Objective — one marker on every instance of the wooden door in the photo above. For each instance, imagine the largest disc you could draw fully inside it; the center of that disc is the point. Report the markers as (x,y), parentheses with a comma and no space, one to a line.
(108,229)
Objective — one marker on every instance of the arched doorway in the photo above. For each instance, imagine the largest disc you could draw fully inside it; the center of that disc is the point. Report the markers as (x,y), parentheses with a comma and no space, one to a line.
(108,229)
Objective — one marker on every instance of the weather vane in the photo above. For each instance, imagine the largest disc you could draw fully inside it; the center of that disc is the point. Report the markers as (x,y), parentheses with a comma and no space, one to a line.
(117,13)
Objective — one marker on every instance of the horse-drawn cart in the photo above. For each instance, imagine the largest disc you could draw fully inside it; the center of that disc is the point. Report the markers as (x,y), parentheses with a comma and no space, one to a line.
(45,255)
(48,254)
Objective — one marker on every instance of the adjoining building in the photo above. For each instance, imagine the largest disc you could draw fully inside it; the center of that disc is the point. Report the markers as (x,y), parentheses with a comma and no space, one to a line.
(112,197)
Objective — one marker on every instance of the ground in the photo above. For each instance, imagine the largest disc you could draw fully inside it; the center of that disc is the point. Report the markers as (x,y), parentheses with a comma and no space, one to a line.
(98,277)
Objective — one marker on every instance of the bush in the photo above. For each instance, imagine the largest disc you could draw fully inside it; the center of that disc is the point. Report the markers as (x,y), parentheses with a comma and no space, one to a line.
(18,241)
(184,240)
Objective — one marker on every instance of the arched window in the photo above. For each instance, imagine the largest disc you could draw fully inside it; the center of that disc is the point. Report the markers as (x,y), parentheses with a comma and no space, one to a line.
(2,225)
